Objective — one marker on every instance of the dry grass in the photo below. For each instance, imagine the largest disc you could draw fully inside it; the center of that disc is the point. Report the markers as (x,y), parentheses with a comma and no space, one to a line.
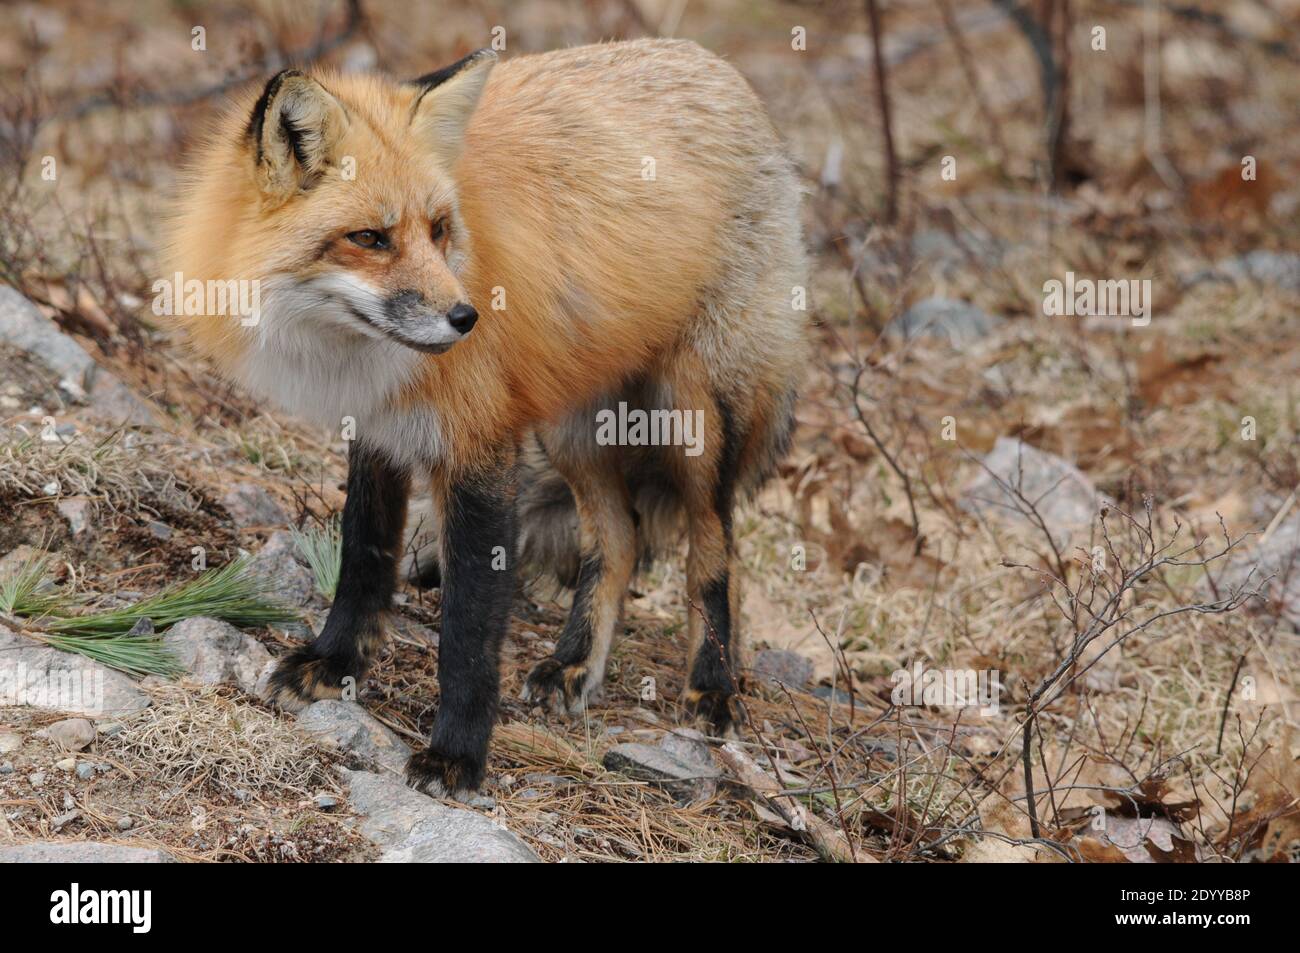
(210,742)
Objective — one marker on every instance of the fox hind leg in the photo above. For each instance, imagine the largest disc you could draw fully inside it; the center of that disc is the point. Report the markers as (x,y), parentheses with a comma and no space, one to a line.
(607,531)
(709,488)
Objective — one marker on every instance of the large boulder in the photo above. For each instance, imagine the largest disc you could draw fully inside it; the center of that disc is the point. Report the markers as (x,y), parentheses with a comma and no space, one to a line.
(36,675)
(414,828)
(22,326)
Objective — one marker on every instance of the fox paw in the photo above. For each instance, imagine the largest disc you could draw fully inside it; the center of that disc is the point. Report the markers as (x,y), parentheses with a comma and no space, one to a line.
(557,687)
(716,710)
(440,775)
(302,678)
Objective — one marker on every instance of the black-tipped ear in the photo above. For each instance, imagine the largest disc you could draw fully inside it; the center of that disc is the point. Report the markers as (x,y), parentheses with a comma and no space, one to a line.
(294,127)
(446,100)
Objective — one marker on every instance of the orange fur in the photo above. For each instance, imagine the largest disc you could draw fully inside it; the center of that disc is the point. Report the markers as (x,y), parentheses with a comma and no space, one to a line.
(602,270)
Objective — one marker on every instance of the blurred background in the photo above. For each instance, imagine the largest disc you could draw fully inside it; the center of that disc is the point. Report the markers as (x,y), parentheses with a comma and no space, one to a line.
(957,442)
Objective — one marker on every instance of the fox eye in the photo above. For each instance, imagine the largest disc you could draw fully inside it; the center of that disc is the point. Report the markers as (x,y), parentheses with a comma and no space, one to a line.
(368,238)
(439,231)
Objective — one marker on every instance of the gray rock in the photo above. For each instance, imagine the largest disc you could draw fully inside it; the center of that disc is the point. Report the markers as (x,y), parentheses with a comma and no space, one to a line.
(250,505)
(1280,269)
(7,768)
(10,741)
(325,802)
(81,852)
(1062,495)
(783,667)
(836,696)
(24,327)
(288,581)
(350,728)
(43,677)
(689,745)
(66,765)
(85,770)
(125,823)
(413,828)
(1276,559)
(956,321)
(36,779)
(71,734)
(214,651)
(684,780)
(63,820)
(77,512)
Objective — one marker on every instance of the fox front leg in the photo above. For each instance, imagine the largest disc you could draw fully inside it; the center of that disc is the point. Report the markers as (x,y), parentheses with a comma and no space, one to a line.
(373,519)
(478,519)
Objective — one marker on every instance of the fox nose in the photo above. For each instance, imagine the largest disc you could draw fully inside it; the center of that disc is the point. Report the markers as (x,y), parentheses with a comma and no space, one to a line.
(462,317)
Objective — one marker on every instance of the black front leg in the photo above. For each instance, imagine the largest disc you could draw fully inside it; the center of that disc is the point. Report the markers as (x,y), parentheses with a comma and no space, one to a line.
(373,518)
(478,584)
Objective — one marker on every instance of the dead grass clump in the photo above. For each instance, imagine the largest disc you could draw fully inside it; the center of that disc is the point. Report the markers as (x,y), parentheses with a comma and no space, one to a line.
(208,740)
(123,470)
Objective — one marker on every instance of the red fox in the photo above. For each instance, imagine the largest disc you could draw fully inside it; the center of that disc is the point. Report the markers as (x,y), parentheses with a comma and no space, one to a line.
(496,273)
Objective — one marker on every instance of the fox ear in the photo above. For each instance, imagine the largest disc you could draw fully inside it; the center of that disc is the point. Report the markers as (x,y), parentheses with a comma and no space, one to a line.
(294,129)
(445,102)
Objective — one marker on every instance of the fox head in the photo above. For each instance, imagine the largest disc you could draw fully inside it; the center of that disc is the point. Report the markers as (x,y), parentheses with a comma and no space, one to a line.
(336,196)
(356,221)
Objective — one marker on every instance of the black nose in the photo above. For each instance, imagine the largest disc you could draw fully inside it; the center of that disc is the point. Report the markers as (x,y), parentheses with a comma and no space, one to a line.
(462,317)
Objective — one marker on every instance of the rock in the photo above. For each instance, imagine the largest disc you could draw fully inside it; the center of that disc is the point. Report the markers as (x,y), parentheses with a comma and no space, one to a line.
(214,651)
(689,745)
(24,327)
(956,321)
(1278,557)
(10,741)
(684,780)
(143,628)
(77,512)
(7,768)
(325,802)
(414,828)
(1280,269)
(66,765)
(85,770)
(349,727)
(835,696)
(36,779)
(125,823)
(43,677)
(159,530)
(250,505)
(783,667)
(71,734)
(1063,496)
(81,852)
(63,820)
(287,580)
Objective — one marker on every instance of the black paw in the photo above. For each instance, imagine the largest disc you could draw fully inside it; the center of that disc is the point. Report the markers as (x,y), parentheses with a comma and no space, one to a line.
(717,710)
(302,678)
(557,687)
(440,775)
